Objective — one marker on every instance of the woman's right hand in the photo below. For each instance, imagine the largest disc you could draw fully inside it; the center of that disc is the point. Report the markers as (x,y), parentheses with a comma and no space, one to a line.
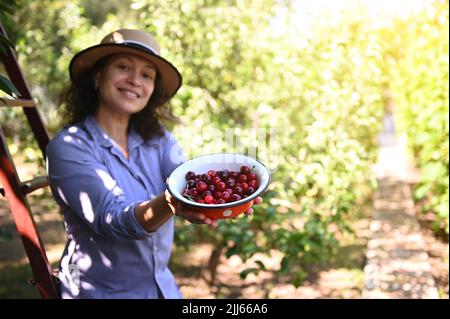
(180,209)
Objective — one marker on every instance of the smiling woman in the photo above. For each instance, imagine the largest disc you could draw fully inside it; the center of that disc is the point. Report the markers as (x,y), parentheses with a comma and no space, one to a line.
(107,171)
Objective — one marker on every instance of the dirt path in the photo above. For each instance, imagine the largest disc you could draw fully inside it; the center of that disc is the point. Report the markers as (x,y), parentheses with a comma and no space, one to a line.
(397,261)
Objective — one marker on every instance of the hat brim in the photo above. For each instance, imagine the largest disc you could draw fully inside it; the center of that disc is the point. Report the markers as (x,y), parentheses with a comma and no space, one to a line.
(170,77)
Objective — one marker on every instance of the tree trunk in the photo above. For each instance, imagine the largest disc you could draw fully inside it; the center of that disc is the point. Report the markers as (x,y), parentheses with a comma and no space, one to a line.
(214,260)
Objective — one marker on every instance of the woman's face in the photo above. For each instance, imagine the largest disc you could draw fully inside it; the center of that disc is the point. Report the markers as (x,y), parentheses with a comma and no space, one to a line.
(125,84)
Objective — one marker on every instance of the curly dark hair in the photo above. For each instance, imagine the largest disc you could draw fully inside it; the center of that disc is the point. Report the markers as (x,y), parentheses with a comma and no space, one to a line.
(80,100)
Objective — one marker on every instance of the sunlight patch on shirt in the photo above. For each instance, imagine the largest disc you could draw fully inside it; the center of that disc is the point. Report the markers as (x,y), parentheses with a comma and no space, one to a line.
(61,194)
(73,129)
(107,180)
(87,286)
(68,139)
(105,260)
(109,183)
(109,218)
(86,206)
(84,263)
(117,191)
(66,259)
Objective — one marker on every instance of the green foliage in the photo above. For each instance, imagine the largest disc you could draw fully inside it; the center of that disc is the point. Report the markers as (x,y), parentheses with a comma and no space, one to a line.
(8,87)
(5,84)
(322,97)
(420,82)
(5,235)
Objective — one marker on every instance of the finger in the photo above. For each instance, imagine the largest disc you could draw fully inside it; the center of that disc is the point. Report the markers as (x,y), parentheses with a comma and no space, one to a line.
(194,217)
(249,211)
(210,222)
(257,200)
(213,223)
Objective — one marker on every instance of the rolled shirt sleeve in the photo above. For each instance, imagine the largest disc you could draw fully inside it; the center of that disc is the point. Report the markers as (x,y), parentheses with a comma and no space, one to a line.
(82,183)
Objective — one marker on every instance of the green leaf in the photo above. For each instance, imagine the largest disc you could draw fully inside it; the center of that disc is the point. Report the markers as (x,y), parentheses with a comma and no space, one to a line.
(8,87)
(421,191)
(5,235)
(260,264)
(299,279)
(284,264)
(243,274)
(2,48)
(5,43)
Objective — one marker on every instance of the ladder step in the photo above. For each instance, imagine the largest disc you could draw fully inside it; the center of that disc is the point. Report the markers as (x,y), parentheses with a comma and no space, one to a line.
(31,185)
(16,102)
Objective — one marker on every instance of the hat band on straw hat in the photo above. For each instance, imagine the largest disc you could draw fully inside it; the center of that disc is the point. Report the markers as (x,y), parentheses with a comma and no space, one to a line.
(136,43)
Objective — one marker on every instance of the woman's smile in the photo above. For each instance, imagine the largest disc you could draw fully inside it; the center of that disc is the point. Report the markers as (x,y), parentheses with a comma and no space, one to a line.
(130,94)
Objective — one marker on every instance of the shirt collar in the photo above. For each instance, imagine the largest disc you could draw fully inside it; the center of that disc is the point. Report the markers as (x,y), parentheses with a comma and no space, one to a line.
(134,138)
(96,132)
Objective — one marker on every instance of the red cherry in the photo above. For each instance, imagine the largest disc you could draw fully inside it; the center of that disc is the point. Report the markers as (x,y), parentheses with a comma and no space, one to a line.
(209,199)
(223,174)
(193,192)
(207,193)
(234,175)
(206,178)
(235,197)
(215,180)
(250,190)
(245,169)
(190,175)
(221,186)
(212,173)
(231,182)
(226,196)
(238,190)
(243,178)
(201,186)
(253,183)
(190,184)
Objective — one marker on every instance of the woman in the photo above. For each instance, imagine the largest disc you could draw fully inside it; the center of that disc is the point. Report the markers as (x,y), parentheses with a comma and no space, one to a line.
(107,171)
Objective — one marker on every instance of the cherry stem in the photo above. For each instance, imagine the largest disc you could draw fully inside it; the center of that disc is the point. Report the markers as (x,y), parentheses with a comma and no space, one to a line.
(191,198)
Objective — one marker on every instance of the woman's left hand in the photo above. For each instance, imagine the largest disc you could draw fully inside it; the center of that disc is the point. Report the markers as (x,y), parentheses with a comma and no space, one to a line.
(180,209)
(256,201)
(194,217)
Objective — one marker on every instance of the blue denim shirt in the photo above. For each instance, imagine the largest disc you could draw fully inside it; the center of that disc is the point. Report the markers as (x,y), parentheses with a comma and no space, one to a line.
(108,253)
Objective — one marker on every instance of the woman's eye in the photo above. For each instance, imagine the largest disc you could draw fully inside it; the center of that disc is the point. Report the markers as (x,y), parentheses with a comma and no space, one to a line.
(123,67)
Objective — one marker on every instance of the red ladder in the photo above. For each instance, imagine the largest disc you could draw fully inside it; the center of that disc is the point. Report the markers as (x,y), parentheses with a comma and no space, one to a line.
(15,191)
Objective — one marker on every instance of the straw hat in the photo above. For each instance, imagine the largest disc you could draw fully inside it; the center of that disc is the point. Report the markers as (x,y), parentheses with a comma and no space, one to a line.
(136,42)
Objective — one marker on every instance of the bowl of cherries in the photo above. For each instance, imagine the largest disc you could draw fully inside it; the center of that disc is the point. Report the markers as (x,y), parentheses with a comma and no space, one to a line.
(219,185)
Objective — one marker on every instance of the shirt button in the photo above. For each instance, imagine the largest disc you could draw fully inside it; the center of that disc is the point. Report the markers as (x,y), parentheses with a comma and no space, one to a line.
(155,249)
